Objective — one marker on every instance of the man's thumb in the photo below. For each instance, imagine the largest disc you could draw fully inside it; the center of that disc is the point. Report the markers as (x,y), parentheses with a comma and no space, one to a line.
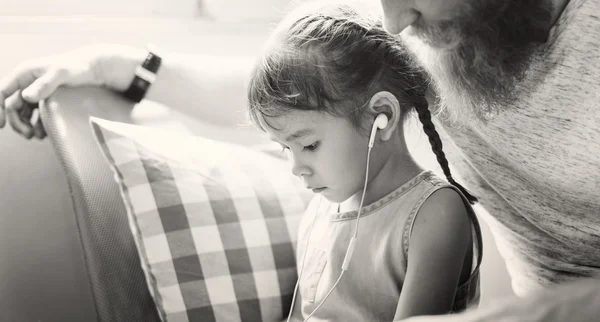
(44,86)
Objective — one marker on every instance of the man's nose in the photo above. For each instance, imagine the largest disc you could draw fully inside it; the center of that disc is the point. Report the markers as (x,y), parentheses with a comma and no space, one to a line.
(398,14)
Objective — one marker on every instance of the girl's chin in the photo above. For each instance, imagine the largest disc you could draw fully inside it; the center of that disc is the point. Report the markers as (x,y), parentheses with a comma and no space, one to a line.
(331,196)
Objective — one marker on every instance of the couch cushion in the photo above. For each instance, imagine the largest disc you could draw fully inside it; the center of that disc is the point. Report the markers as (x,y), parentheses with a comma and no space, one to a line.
(116,279)
(215,223)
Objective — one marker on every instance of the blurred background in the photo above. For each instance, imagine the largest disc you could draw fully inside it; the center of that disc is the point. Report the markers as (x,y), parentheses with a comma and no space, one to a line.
(34,28)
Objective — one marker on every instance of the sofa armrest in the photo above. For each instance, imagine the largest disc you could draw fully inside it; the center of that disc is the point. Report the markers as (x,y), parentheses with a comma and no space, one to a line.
(116,278)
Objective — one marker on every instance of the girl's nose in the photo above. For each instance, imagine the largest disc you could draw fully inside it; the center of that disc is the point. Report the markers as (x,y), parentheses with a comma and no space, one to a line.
(299,168)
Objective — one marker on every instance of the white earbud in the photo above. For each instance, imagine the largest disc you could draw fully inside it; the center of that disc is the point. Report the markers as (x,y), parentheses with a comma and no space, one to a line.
(381,121)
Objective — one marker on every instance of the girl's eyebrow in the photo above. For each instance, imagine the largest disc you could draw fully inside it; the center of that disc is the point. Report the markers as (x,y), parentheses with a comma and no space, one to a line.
(298,134)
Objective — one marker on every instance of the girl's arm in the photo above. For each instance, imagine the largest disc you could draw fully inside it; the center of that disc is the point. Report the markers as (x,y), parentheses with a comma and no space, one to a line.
(439,242)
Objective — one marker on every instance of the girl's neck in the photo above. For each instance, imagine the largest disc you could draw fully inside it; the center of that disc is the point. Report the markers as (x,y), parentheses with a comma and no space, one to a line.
(396,170)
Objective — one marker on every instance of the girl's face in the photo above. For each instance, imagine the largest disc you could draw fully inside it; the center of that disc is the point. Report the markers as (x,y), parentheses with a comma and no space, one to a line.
(326,152)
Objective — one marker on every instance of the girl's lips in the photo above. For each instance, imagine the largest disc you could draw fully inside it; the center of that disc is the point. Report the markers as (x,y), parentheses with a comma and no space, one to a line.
(317,190)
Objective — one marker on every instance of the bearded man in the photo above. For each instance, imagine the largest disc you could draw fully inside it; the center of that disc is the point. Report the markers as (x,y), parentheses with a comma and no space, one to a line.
(516,87)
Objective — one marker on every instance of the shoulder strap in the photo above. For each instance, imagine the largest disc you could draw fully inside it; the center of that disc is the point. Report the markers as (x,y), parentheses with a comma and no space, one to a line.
(437,184)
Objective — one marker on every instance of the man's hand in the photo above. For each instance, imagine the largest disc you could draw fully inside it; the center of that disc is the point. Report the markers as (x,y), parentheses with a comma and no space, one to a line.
(573,302)
(35,80)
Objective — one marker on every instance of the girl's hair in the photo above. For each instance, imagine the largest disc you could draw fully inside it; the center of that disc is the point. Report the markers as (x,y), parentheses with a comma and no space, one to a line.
(332,58)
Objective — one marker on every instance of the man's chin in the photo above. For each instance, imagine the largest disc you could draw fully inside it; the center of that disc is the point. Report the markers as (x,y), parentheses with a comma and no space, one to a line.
(466,87)
(434,37)
(477,61)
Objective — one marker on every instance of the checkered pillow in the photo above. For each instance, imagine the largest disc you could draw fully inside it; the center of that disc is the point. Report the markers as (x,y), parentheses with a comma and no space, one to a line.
(215,223)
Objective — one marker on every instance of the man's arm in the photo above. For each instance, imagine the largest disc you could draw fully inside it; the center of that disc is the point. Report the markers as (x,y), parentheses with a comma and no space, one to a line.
(573,302)
(207,87)
(210,88)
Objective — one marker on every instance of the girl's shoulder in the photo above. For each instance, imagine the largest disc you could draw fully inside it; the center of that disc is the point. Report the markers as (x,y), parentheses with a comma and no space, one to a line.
(439,194)
(442,211)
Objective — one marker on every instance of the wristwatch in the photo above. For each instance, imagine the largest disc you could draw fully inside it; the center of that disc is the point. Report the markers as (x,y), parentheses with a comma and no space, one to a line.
(145,74)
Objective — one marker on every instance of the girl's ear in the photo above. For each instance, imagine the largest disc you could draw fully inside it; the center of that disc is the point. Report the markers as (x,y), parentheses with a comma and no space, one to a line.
(386,103)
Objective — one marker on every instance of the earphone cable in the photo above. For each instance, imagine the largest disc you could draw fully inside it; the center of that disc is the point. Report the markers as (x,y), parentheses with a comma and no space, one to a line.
(351,245)
(303,261)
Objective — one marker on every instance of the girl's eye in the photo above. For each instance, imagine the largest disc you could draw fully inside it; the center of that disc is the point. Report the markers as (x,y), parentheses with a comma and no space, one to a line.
(311,147)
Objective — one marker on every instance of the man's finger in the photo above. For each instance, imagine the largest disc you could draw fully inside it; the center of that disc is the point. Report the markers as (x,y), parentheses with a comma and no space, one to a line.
(2,113)
(14,112)
(18,79)
(38,128)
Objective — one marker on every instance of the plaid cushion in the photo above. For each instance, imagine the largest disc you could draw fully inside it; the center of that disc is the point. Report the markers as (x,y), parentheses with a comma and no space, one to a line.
(215,223)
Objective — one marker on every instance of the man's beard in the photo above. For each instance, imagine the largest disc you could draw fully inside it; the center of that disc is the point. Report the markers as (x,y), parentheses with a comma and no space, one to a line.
(477,60)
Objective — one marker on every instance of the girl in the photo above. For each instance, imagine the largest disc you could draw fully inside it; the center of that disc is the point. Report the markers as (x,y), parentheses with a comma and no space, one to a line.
(327,72)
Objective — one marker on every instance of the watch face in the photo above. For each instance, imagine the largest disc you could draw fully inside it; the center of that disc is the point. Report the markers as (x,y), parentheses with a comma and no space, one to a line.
(152,62)
(141,83)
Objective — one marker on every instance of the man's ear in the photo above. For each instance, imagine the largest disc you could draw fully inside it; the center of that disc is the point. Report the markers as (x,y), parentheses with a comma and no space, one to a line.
(386,103)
